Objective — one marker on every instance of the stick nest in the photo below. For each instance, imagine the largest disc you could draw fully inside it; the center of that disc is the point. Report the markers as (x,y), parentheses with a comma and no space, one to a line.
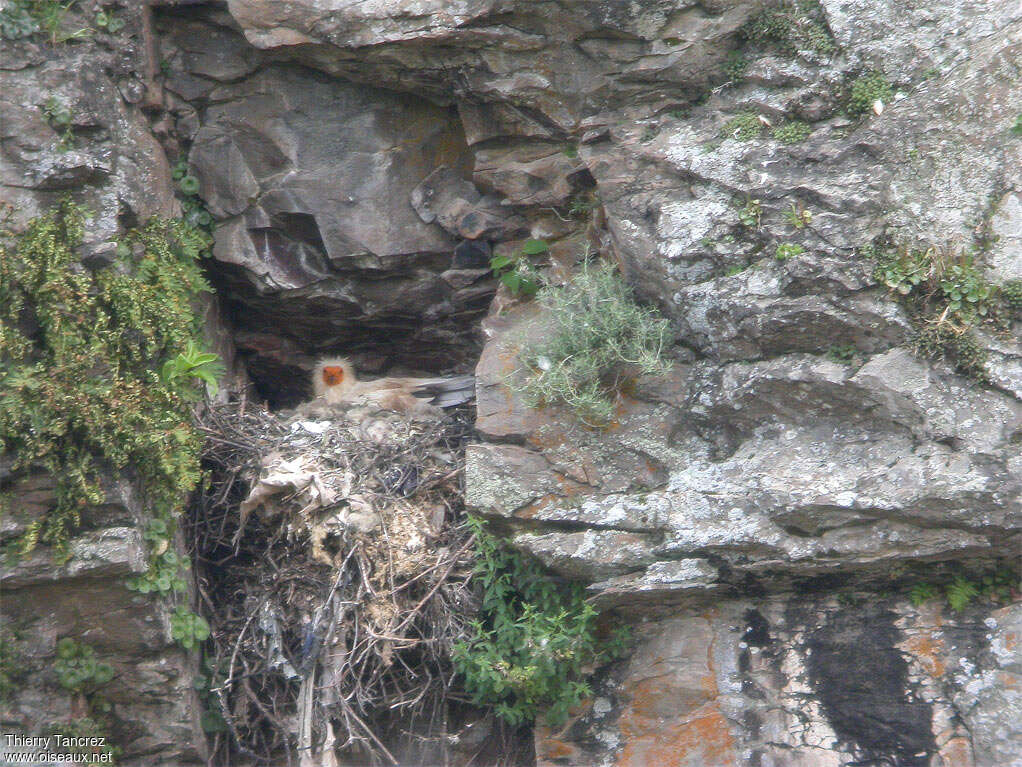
(334,568)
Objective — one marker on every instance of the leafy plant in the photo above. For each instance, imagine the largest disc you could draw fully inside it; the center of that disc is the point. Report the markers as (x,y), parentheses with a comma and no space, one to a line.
(798,217)
(533,640)
(866,90)
(582,205)
(1016,129)
(960,592)
(922,593)
(947,296)
(998,585)
(23,18)
(597,334)
(166,566)
(749,214)
(517,273)
(195,213)
(193,363)
(788,250)
(78,669)
(109,22)
(731,271)
(80,395)
(843,354)
(743,127)
(187,628)
(792,132)
(60,118)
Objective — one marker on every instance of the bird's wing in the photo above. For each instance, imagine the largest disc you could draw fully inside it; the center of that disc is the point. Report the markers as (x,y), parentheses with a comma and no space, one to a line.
(445,392)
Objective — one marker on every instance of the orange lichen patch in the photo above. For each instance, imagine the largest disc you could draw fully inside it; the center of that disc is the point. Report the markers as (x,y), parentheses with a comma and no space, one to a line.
(929,650)
(551,749)
(657,698)
(548,437)
(704,740)
(542,504)
(956,753)
(1011,642)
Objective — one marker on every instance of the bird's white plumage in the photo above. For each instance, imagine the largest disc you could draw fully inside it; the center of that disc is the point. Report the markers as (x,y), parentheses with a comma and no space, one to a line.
(334,381)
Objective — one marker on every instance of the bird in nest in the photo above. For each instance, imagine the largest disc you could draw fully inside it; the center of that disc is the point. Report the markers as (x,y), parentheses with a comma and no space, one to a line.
(334,382)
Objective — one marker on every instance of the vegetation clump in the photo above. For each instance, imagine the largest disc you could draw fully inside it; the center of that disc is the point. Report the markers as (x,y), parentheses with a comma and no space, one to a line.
(750,214)
(24,18)
(78,669)
(793,26)
(843,354)
(80,394)
(792,132)
(788,250)
(597,332)
(999,586)
(60,118)
(948,297)
(865,91)
(533,640)
(743,127)
(12,666)
(517,273)
(735,66)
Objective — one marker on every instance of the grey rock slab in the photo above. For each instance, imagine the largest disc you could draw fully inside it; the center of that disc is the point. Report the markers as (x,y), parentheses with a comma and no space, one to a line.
(106,553)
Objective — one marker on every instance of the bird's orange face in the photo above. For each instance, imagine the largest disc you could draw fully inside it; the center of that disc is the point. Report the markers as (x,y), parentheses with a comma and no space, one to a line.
(333,375)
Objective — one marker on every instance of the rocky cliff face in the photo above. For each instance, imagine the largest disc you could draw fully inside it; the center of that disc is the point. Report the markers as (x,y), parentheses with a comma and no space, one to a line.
(107,156)
(759,513)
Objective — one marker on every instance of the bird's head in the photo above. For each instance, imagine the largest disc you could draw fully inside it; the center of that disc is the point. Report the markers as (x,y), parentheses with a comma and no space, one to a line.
(336,371)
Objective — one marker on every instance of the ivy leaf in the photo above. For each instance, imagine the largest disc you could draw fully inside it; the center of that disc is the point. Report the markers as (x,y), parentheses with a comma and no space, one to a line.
(535,247)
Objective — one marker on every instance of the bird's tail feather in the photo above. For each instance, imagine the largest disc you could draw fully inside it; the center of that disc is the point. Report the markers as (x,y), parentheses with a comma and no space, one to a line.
(448,392)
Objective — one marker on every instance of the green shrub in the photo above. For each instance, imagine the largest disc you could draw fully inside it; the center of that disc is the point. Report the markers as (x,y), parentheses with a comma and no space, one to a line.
(792,132)
(79,350)
(597,332)
(533,640)
(865,90)
(1016,129)
(743,127)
